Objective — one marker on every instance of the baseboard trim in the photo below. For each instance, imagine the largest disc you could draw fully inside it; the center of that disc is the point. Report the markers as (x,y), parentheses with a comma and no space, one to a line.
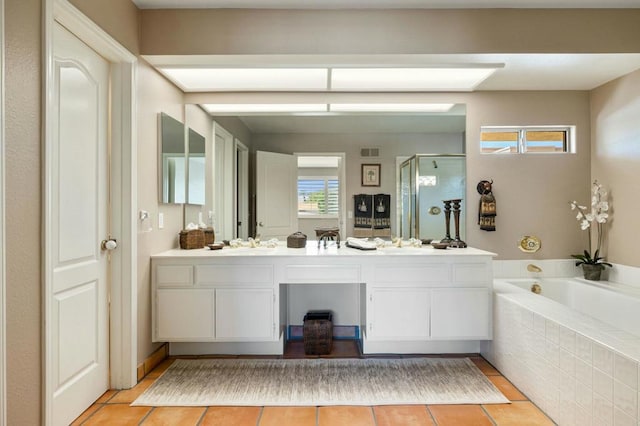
(152,361)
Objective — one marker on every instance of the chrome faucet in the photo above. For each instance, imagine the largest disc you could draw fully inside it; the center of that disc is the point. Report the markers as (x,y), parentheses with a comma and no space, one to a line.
(329,235)
(533,268)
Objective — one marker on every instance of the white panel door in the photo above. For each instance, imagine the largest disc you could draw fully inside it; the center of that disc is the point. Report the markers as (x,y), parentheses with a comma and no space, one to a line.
(461,313)
(399,313)
(276,194)
(245,314)
(78,315)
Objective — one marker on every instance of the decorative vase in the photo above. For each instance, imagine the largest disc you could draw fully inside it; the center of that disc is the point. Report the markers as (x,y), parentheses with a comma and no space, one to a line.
(592,272)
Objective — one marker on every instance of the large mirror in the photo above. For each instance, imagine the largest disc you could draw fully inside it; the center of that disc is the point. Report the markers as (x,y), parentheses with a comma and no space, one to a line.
(173,166)
(385,139)
(196,171)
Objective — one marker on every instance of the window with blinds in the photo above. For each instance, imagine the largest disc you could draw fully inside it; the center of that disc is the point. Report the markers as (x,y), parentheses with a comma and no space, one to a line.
(318,196)
(526,140)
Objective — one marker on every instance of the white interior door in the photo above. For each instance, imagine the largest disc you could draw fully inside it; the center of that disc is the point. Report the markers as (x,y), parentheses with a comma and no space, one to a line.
(77,315)
(276,194)
(224,187)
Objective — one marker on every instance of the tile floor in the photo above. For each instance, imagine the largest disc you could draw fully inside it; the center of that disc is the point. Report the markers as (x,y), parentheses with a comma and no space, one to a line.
(113,407)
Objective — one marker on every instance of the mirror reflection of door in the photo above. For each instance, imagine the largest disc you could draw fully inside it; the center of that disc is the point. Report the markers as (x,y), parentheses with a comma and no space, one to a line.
(196,169)
(172,160)
(320,192)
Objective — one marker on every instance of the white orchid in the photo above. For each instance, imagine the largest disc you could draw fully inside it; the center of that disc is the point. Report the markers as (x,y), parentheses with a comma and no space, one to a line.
(598,214)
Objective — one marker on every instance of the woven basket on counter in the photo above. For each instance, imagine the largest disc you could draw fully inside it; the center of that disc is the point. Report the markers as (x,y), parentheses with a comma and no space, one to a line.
(193,239)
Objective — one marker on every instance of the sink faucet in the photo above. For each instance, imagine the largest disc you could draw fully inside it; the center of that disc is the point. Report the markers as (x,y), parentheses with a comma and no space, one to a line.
(533,268)
(329,235)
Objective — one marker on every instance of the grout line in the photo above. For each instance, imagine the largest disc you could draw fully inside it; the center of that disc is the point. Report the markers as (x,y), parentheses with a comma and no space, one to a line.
(488,415)
(433,419)
(373,413)
(260,416)
(92,414)
(144,418)
(201,419)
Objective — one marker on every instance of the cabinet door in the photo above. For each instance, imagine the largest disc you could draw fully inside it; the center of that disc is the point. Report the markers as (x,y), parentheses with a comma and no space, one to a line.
(245,314)
(184,315)
(461,313)
(399,314)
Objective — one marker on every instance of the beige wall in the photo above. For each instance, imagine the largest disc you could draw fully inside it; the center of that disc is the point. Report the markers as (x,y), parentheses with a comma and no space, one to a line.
(615,109)
(23,210)
(532,191)
(155,95)
(244,31)
(120,18)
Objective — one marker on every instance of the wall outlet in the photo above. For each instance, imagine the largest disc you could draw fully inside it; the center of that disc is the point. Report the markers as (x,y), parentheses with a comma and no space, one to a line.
(160,220)
(349,214)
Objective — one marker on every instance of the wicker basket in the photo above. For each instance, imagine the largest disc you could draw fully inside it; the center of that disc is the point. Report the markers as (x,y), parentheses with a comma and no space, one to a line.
(317,333)
(297,240)
(193,239)
(209,236)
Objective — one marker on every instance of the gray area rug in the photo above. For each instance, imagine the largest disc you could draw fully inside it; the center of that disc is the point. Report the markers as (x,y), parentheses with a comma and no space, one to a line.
(314,382)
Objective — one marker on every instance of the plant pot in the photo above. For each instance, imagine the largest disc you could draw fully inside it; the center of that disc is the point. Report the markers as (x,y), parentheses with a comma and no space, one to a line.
(592,272)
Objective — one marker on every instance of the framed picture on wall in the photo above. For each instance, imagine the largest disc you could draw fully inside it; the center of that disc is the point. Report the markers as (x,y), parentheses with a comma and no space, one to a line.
(371,175)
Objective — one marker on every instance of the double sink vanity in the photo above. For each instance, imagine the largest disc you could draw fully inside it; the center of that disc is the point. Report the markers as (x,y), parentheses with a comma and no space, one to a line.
(406,300)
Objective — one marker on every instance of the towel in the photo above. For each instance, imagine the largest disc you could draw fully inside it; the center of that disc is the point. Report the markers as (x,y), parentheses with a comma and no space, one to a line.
(363,210)
(382,211)
(487,212)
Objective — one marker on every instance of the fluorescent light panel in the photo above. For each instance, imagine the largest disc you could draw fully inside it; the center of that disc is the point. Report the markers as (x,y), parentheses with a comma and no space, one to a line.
(263,108)
(248,79)
(408,79)
(388,107)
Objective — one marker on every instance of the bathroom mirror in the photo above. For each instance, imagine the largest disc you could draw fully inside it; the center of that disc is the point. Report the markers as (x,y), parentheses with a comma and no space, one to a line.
(425,181)
(173,166)
(196,171)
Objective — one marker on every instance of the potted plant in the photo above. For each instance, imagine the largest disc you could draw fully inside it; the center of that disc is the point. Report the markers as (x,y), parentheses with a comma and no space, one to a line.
(593,265)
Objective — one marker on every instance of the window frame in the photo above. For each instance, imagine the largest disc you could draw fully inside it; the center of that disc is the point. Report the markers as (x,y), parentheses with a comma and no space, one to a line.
(326,180)
(522,145)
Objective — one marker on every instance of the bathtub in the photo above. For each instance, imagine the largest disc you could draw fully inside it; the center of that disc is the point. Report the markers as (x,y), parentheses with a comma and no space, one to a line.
(613,304)
(574,349)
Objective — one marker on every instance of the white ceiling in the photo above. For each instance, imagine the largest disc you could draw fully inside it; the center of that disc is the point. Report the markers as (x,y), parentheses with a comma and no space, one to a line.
(383,4)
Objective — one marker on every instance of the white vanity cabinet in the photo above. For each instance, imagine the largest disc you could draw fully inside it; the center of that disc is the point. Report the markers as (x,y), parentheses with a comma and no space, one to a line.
(203,301)
(433,299)
(407,300)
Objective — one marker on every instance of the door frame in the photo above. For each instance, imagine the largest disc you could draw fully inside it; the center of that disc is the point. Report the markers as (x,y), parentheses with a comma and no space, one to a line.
(3,343)
(223,183)
(241,193)
(122,312)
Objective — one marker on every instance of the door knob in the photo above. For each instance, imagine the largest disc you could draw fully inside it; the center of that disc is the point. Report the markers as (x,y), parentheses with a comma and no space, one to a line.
(109,244)
(260,224)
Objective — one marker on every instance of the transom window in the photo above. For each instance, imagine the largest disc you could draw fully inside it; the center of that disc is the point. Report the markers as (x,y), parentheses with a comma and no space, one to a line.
(318,196)
(526,140)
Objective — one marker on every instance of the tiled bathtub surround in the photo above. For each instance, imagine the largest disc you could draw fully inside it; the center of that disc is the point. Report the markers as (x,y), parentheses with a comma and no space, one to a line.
(579,370)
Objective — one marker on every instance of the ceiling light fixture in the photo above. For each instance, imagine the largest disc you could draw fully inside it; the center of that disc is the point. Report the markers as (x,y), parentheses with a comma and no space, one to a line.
(234,109)
(390,107)
(248,79)
(409,79)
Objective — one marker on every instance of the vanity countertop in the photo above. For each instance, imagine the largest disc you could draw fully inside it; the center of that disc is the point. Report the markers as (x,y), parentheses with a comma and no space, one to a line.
(312,250)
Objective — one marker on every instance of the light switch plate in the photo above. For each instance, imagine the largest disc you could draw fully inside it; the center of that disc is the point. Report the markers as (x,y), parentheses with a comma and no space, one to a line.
(160,220)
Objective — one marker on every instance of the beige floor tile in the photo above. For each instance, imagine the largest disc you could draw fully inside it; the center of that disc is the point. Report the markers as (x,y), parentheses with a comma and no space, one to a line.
(171,416)
(288,416)
(405,415)
(161,368)
(231,416)
(129,395)
(484,366)
(507,389)
(459,415)
(117,415)
(345,416)
(518,414)
(87,413)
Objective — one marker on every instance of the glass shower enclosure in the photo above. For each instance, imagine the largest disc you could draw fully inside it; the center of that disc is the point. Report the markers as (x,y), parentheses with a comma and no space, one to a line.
(426,180)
